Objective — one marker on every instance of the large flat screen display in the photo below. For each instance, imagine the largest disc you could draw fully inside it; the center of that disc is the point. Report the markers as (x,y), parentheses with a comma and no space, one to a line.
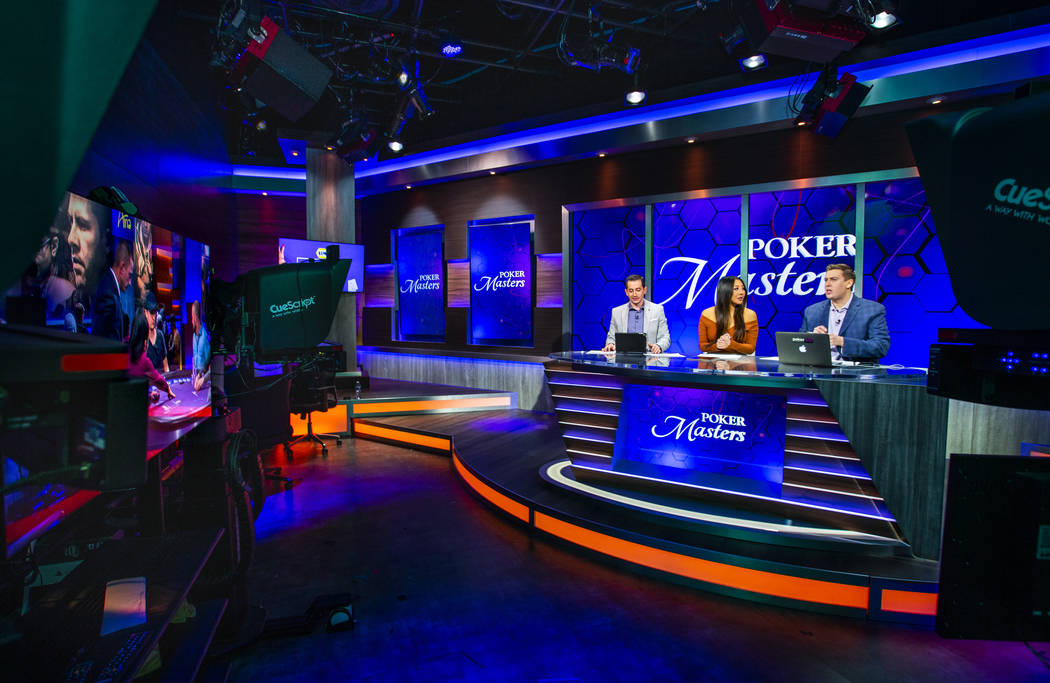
(302,251)
(70,284)
(722,439)
(501,282)
(419,276)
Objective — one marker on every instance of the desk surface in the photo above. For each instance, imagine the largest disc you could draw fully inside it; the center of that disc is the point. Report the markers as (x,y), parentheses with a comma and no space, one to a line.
(736,369)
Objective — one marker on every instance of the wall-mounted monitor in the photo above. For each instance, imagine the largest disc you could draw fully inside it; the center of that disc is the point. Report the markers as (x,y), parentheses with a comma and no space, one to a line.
(303,251)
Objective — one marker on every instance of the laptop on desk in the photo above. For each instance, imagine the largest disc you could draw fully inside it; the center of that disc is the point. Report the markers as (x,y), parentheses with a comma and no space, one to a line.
(804,348)
(630,342)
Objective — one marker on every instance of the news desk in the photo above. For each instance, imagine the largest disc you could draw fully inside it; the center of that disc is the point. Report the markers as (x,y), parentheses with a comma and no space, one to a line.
(855,449)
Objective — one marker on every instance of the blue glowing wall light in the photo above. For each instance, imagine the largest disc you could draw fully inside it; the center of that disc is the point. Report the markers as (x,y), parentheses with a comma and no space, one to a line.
(727,440)
(787,230)
(904,270)
(695,242)
(608,245)
(419,283)
(501,282)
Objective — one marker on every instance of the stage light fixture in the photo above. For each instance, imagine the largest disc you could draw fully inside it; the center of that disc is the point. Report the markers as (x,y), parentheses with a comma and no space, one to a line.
(754,62)
(451,46)
(591,52)
(877,15)
(635,96)
(936,100)
(403,77)
(395,145)
(690,140)
(260,125)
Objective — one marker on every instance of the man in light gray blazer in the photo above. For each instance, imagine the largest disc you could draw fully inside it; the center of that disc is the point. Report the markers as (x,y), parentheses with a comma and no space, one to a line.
(638,315)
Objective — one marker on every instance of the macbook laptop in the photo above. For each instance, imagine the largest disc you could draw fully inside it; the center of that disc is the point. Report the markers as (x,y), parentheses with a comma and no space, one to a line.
(804,348)
(630,342)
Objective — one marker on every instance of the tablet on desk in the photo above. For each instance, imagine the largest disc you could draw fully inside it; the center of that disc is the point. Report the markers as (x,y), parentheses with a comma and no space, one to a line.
(630,342)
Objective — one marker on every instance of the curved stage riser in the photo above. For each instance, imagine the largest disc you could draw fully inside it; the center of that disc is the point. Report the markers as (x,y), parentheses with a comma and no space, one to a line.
(498,455)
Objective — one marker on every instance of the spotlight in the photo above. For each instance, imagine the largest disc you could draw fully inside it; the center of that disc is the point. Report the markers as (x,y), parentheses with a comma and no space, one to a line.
(330,148)
(451,46)
(691,140)
(754,62)
(936,100)
(877,15)
(635,96)
(591,53)
(260,125)
(395,145)
(403,77)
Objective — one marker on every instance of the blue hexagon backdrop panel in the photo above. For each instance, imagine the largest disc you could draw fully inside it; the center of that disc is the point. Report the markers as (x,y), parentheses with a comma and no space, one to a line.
(608,245)
(904,270)
(695,243)
(793,236)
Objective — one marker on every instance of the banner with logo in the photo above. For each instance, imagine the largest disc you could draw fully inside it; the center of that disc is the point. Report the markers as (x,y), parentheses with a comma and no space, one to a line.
(722,439)
(419,273)
(501,283)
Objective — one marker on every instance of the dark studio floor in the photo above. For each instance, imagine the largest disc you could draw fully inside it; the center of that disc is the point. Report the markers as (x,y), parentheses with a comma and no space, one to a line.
(450,590)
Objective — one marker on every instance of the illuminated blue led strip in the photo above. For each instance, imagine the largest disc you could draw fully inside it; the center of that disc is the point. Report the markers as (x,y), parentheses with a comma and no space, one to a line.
(978,49)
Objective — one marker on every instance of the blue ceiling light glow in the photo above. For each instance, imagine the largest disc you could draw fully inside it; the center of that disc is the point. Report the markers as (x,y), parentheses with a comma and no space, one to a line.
(979,49)
(963,52)
(451,49)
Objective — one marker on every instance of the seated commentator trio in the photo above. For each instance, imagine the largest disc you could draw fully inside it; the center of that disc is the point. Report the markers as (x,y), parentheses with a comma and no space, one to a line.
(856,327)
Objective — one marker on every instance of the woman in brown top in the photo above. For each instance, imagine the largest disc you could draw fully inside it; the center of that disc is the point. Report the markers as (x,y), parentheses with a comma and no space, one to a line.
(729,326)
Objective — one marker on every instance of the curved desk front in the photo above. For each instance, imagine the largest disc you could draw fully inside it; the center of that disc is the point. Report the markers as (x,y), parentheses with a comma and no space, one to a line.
(860,449)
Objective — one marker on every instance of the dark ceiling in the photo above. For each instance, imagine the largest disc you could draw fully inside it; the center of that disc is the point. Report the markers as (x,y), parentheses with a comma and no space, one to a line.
(512,68)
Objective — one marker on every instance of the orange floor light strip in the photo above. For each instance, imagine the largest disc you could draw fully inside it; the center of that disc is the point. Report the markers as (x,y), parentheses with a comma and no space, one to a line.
(753,580)
(909,602)
(430,404)
(402,437)
(490,494)
(329,422)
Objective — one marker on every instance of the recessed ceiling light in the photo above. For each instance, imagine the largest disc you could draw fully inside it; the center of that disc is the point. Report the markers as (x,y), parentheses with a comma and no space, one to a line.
(883,20)
(395,145)
(295,152)
(936,100)
(330,148)
(690,140)
(800,123)
(754,62)
(264,194)
(492,173)
(601,154)
(635,96)
(408,187)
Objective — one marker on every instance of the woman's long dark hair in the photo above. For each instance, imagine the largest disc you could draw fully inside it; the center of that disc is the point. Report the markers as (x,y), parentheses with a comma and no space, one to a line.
(139,332)
(723,304)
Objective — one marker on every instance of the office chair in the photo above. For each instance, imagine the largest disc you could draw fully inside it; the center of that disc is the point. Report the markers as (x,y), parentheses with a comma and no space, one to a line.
(313,390)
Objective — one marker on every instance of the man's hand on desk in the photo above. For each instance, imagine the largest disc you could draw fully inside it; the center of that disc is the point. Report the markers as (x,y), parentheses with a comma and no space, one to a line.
(820,329)
(837,340)
(198,382)
(653,348)
(609,347)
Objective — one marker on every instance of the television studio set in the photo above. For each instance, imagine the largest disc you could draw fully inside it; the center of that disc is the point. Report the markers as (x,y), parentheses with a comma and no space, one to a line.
(526,340)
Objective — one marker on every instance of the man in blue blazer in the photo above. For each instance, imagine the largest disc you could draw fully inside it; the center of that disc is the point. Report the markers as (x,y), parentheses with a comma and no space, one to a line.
(109,316)
(857,326)
(639,315)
